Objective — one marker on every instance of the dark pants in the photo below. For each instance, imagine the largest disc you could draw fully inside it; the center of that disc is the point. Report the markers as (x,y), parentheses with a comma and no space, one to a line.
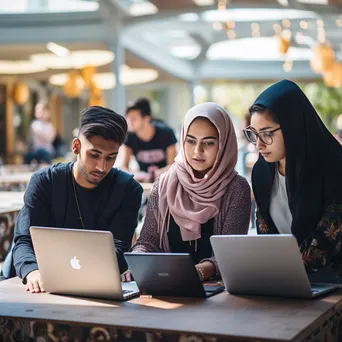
(40,155)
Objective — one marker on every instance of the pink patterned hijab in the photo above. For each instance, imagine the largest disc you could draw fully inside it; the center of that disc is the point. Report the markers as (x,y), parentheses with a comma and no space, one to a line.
(193,201)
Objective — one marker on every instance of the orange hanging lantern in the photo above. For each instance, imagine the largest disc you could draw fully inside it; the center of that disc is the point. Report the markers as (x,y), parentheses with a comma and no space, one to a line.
(87,73)
(21,93)
(96,100)
(315,65)
(283,45)
(73,85)
(328,79)
(339,74)
(333,77)
(94,90)
(96,97)
(323,59)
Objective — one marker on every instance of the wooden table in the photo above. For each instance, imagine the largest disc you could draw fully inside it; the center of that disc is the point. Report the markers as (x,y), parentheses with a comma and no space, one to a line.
(18,168)
(10,204)
(11,199)
(15,180)
(221,317)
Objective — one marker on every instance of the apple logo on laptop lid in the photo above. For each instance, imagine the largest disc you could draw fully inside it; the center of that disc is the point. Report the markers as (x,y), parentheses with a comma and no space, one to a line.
(75,263)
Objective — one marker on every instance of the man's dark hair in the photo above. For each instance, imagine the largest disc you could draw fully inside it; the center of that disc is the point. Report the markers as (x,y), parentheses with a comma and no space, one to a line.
(263,110)
(142,104)
(104,122)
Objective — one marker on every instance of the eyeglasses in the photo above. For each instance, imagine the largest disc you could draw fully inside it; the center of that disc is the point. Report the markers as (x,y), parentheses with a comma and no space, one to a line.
(265,136)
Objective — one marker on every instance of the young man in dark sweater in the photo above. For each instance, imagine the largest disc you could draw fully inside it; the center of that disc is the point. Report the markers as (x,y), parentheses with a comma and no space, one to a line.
(87,194)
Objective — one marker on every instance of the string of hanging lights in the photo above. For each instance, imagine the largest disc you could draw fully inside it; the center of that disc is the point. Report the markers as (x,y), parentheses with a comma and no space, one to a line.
(323,60)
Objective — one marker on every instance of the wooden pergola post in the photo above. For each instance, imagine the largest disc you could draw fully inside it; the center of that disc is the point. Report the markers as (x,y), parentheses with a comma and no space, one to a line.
(9,123)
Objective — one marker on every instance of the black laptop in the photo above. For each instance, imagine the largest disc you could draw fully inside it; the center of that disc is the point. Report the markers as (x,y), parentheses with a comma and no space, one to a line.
(169,274)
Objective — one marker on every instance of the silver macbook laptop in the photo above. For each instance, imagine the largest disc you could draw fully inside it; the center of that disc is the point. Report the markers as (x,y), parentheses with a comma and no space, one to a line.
(264,265)
(79,262)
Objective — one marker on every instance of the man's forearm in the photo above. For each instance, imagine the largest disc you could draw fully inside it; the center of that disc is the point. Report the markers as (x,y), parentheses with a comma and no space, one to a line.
(24,259)
(120,249)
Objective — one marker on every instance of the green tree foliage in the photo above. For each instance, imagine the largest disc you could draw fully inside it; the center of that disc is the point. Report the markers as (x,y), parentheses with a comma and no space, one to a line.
(327,102)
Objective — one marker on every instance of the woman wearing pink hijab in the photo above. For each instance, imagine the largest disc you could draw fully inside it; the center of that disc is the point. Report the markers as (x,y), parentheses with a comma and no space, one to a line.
(200,195)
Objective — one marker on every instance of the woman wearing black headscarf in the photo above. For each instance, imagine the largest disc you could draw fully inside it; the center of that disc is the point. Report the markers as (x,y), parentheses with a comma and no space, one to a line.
(297,180)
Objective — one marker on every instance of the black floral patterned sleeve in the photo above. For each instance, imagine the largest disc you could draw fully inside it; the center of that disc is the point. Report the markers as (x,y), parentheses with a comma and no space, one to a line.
(262,227)
(324,244)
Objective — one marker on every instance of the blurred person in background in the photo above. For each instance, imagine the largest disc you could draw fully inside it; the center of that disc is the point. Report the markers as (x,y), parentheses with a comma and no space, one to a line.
(42,134)
(60,147)
(153,144)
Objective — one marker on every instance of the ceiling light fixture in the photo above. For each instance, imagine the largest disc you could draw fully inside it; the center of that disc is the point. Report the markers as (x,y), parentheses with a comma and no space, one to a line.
(339,21)
(230,25)
(320,23)
(217,26)
(222,5)
(257,14)
(75,60)
(142,8)
(58,50)
(106,80)
(305,40)
(277,28)
(189,17)
(187,51)
(303,24)
(20,67)
(286,23)
(231,34)
(255,30)
(287,66)
(255,27)
(204,2)
(264,49)
(314,2)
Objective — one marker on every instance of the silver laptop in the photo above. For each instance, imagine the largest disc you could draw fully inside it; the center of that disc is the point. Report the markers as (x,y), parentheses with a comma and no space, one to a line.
(268,265)
(79,262)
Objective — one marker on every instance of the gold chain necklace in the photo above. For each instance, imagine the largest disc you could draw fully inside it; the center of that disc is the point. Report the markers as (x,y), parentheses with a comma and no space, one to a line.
(78,206)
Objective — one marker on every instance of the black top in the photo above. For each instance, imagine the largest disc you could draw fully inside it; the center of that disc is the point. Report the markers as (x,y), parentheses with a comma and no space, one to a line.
(91,203)
(50,201)
(199,249)
(153,152)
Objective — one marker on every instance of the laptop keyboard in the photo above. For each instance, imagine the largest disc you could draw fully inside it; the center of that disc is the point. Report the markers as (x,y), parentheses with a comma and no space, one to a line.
(126,292)
(316,288)
(211,288)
